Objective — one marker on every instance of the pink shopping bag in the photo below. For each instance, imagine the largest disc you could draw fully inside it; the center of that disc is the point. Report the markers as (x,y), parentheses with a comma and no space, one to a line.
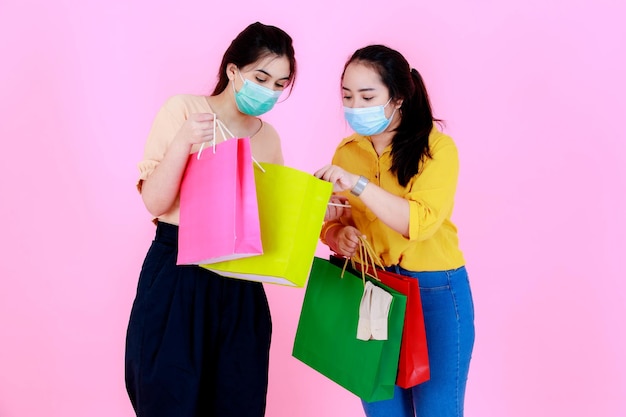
(219,215)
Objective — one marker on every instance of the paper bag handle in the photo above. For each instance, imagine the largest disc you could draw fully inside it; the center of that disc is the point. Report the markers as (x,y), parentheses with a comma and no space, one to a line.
(365,257)
(223,130)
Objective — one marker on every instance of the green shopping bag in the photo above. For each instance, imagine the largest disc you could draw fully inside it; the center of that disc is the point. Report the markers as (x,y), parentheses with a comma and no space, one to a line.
(326,335)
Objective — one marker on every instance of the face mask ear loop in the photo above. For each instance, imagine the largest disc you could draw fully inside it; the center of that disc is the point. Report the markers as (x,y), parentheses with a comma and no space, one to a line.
(243,82)
(392,113)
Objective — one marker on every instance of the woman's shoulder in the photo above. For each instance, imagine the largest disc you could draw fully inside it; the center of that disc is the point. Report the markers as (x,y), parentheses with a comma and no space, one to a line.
(267,130)
(353,138)
(266,144)
(439,140)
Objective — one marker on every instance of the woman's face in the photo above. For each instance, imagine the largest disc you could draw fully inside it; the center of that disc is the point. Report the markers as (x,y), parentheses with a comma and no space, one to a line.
(362,87)
(271,71)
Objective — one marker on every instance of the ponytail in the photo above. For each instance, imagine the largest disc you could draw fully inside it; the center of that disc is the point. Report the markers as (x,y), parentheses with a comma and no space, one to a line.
(409,146)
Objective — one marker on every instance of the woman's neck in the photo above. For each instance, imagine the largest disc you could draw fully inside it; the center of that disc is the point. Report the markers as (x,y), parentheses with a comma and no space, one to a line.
(382,140)
(224,106)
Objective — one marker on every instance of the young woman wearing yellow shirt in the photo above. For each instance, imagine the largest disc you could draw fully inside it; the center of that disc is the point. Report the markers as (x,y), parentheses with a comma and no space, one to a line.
(398,173)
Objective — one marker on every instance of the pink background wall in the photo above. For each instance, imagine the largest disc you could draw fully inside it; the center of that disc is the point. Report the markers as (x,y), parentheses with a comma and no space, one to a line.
(533,92)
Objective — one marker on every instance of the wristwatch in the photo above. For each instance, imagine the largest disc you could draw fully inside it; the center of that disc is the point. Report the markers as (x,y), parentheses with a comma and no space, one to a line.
(359,186)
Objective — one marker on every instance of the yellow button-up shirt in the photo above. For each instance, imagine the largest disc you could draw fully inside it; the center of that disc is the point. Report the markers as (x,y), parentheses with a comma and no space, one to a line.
(432,244)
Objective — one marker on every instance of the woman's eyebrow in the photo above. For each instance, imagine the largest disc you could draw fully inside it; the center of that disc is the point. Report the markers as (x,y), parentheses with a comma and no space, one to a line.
(270,75)
(360,90)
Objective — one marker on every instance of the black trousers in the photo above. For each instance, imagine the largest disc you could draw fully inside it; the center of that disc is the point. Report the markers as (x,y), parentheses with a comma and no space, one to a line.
(197,343)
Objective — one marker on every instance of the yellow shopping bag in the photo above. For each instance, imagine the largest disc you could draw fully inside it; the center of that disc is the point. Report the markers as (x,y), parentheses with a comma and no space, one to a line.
(292,205)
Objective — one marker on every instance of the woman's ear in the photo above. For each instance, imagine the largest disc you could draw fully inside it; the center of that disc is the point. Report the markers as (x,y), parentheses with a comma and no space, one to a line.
(231,71)
(398,103)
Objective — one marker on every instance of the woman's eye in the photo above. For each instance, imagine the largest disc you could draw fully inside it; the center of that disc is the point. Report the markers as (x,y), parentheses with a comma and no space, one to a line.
(347,97)
(260,80)
(367,98)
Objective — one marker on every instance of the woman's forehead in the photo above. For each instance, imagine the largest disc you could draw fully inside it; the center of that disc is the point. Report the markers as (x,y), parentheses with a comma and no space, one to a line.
(274,65)
(360,74)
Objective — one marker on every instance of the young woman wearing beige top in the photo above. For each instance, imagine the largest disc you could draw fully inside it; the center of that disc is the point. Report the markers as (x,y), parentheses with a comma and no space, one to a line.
(198,343)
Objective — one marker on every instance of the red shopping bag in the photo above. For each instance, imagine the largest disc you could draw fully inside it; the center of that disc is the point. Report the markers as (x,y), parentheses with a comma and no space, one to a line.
(219,215)
(413,367)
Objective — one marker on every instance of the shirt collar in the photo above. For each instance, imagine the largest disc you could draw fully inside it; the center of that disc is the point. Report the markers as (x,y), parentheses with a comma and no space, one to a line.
(364,142)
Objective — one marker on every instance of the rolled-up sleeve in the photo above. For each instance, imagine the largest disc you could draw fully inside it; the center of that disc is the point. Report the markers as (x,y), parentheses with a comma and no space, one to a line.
(431,194)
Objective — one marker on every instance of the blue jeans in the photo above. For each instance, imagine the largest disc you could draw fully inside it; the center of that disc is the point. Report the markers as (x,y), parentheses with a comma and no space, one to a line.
(449,321)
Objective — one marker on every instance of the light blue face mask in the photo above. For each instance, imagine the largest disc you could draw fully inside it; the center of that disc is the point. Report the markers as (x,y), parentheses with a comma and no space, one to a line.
(368,121)
(253,99)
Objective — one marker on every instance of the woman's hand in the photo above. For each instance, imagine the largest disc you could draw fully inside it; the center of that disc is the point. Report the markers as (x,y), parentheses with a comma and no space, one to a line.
(160,190)
(198,128)
(343,240)
(341,179)
(338,206)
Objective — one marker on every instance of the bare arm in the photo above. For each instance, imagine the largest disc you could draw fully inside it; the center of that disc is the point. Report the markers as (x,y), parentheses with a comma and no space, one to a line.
(160,189)
(419,213)
(390,209)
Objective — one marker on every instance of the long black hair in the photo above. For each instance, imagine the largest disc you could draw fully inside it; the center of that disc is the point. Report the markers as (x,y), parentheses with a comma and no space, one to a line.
(409,146)
(254,42)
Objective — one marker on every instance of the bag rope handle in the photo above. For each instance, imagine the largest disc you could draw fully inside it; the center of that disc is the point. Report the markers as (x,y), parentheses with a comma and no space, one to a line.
(224,130)
(366,257)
